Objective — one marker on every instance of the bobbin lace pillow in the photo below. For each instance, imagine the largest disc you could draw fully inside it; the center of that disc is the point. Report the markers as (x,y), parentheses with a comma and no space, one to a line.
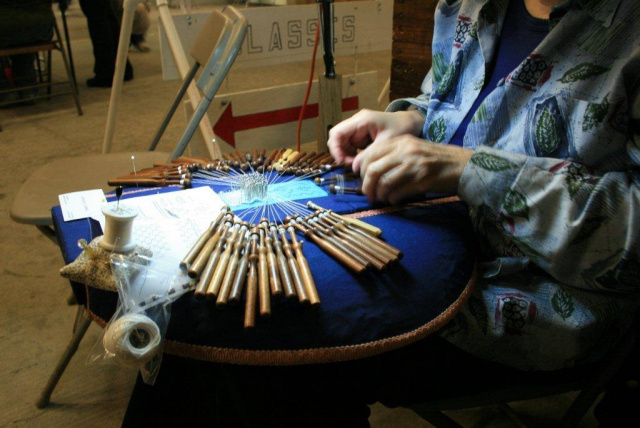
(93,265)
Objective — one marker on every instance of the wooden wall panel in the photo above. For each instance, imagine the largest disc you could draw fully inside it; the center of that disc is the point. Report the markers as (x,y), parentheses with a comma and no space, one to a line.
(411,51)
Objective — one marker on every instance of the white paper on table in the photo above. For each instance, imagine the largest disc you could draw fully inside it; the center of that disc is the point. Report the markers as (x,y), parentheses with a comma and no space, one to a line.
(77,205)
(169,224)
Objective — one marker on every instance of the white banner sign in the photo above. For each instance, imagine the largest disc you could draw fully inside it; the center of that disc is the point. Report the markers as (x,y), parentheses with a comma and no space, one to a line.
(286,33)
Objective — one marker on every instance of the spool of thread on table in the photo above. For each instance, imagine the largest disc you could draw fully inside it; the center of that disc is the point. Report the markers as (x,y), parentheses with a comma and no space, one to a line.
(118,235)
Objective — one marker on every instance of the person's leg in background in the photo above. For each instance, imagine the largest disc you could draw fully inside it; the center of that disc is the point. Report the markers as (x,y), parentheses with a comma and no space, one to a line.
(17,71)
(141,23)
(104,30)
(24,73)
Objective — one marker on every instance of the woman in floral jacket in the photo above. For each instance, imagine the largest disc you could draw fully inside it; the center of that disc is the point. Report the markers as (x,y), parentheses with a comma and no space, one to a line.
(549,164)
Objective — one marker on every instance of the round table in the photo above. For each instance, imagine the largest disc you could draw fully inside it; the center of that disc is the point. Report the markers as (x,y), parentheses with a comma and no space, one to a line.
(360,315)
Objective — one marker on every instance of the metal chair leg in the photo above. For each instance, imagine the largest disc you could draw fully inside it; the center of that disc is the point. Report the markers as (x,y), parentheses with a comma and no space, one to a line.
(174,106)
(192,127)
(80,330)
(49,75)
(48,232)
(39,68)
(72,83)
(68,41)
(80,317)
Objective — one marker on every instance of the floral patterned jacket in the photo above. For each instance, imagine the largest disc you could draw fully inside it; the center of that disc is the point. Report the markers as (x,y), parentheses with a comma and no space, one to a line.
(554,184)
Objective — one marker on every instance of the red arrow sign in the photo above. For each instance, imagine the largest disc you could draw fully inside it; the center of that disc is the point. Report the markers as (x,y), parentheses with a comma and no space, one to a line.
(228,124)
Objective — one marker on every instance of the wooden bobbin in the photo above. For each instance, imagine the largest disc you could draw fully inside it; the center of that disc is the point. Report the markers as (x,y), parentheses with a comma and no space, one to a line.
(352,245)
(274,277)
(294,269)
(305,271)
(372,230)
(241,274)
(252,283)
(350,255)
(230,274)
(283,269)
(221,267)
(371,246)
(263,276)
(331,249)
(199,244)
(212,262)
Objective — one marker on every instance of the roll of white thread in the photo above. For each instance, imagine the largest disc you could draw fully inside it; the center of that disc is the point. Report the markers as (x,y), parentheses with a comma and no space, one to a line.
(133,339)
(118,235)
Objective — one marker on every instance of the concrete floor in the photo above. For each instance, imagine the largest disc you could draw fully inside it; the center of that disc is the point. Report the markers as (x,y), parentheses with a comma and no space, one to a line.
(35,321)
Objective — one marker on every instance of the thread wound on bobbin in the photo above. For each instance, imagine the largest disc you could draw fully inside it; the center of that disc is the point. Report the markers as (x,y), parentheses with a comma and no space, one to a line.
(118,236)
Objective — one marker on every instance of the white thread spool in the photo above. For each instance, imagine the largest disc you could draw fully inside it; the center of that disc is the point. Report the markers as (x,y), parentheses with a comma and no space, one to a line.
(118,228)
(133,339)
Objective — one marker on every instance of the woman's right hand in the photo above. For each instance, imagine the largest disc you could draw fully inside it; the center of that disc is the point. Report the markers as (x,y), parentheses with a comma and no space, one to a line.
(367,126)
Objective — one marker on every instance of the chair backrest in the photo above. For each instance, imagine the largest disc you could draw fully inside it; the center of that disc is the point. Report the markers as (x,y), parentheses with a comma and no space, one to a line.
(226,50)
(230,30)
(215,27)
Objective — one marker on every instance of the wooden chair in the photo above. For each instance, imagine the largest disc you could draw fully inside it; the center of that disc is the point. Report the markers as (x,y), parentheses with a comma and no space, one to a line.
(498,389)
(54,45)
(217,49)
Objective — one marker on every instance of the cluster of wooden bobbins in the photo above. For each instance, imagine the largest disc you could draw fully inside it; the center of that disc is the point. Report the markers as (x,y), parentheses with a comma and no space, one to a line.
(175,173)
(266,260)
(354,244)
(181,170)
(231,256)
(285,161)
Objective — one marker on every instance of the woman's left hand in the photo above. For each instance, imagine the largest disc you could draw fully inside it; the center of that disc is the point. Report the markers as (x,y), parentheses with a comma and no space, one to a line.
(405,166)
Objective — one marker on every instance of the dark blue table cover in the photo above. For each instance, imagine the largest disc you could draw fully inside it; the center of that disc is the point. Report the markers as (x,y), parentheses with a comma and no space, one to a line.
(360,315)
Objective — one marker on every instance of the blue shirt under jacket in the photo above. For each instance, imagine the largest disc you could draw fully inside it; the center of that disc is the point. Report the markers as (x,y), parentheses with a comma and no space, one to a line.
(525,33)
